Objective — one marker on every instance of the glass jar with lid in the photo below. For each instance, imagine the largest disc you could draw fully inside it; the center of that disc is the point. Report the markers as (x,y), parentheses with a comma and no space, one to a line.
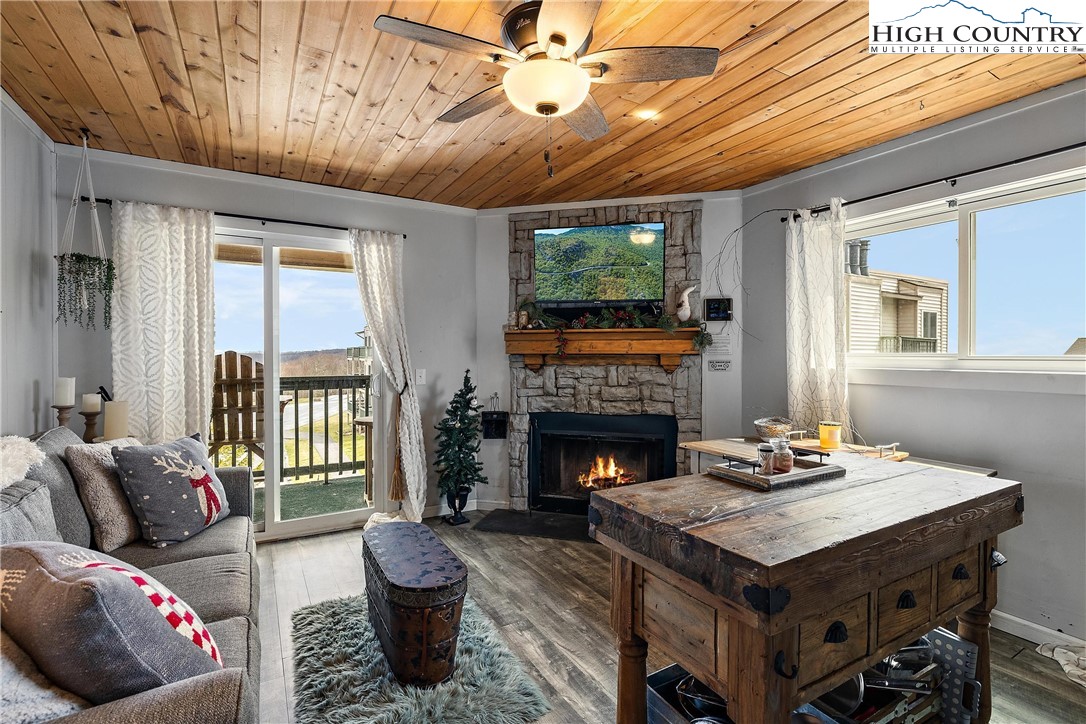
(783,457)
(765,458)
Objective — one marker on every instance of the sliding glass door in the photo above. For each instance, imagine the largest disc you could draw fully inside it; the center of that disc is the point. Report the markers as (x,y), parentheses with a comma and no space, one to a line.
(294,378)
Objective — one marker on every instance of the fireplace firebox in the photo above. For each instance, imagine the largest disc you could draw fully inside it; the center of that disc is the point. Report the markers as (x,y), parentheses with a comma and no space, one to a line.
(572,454)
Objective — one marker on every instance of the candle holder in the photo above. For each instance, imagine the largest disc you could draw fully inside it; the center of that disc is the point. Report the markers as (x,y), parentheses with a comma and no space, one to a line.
(91,420)
(64,413)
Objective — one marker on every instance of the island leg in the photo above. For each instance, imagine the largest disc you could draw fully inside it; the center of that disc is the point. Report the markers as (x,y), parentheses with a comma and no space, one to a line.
(632,649)
(632,686)
(975,625)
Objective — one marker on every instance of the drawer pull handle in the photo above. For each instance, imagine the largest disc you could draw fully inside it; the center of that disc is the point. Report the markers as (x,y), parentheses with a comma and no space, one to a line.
(961,573)
(906,600)
(837,633)
(778,666)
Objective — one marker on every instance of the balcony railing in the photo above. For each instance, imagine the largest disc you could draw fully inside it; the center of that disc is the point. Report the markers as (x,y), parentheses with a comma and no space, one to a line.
(907,345)
(317,418)
(325,427)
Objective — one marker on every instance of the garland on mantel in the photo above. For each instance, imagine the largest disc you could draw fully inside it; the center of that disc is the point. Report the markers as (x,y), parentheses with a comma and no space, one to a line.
(611,318)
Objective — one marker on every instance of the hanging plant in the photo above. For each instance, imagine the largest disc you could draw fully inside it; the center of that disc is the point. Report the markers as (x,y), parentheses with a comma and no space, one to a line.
(81,278)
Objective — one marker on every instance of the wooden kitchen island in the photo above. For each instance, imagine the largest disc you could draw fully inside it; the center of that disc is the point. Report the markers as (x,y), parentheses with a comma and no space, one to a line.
(773,598)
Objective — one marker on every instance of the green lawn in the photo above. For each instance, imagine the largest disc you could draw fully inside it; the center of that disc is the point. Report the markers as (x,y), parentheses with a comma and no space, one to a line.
(301,500)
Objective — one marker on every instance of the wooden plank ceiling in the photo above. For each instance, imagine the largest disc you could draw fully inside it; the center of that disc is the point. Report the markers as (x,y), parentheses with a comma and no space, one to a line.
(309,91)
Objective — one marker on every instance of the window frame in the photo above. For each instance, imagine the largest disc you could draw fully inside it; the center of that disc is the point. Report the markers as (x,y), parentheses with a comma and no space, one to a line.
(963,208)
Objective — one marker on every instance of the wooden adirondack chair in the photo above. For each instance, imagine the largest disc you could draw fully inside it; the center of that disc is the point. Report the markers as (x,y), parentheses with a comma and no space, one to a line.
(237,406)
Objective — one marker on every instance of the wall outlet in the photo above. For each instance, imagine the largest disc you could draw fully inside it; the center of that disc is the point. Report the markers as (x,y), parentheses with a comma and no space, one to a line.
(420,376)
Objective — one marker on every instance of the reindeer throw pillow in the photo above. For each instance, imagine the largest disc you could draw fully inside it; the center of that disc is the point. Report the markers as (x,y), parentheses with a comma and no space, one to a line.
(172,488)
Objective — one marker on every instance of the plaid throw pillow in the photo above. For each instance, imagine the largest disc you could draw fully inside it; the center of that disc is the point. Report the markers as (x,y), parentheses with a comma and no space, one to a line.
(98,627)
(172,488)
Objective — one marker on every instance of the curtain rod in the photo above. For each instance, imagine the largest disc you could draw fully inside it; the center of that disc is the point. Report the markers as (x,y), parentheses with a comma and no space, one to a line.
(261,219)
(952,180)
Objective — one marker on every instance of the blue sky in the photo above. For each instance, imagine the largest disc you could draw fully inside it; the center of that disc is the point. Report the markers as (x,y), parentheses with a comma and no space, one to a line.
(319,309)
(1031,273)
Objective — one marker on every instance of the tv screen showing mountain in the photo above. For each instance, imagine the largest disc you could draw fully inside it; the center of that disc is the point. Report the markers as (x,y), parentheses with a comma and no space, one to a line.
(600,263)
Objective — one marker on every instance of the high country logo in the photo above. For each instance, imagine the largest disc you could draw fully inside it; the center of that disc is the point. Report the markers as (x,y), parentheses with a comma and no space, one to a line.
(976,26)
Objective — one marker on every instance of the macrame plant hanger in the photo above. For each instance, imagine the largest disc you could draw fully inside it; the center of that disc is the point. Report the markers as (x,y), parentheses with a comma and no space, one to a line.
(81,278)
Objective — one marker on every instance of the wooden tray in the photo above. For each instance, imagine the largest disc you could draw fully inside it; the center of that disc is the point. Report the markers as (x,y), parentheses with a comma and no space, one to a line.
(803,471)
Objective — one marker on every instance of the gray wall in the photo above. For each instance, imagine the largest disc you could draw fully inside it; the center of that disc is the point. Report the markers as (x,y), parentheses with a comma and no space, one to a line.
(27,246)
(960,419)
(439,257)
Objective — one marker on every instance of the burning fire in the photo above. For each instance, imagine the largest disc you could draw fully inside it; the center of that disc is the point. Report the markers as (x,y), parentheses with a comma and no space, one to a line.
(605,475)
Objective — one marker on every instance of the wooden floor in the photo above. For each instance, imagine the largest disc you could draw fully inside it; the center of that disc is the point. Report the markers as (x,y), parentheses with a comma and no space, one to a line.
(550,600)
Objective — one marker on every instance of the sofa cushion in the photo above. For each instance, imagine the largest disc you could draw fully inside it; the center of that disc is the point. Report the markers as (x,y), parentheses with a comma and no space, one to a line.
(68,511)
(233,535)
(240,643)
(173,489)
(97,627)
(217,587)
(95,472)
(26,513)
(26,695)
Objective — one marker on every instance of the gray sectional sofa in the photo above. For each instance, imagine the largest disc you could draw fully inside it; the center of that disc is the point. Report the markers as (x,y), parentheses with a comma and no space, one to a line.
(215,572)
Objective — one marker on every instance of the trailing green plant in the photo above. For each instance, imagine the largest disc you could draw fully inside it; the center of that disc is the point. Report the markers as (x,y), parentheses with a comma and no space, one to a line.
(702,340)
(81,278)
(458,435)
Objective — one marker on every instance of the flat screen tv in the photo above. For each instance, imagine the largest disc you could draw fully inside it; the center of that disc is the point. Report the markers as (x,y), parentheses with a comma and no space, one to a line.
(599,266)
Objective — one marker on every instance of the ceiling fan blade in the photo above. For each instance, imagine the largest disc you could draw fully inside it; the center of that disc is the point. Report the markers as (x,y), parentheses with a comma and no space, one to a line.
(587,120)
(447,40)
(568,19)
(648,64)
(482,101)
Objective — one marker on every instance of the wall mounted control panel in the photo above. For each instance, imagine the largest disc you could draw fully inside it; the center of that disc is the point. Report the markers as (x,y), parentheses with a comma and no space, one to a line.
(717,309)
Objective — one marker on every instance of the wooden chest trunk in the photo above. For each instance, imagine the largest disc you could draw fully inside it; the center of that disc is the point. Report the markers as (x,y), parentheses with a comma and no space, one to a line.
(415,587)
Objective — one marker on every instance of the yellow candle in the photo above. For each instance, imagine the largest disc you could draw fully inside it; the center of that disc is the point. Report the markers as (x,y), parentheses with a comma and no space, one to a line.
(829,435)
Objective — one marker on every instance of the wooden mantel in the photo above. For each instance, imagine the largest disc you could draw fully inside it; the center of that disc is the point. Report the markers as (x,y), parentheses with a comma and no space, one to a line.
(602,346)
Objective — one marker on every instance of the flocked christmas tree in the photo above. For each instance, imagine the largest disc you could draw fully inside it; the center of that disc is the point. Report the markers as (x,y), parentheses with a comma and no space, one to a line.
(458,434)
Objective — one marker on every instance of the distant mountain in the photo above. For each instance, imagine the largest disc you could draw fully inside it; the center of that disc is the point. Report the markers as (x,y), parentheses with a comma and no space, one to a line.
(311,363)
(599,263)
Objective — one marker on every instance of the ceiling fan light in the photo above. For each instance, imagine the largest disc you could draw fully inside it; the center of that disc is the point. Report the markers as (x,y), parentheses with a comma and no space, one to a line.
(545,83)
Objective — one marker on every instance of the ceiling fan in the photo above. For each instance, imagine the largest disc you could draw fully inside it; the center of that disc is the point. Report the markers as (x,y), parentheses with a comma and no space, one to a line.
(549,75)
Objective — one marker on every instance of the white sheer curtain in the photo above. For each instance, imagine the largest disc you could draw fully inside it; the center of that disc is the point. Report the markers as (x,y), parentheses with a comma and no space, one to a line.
(816,321)
(378,266)
(163,331)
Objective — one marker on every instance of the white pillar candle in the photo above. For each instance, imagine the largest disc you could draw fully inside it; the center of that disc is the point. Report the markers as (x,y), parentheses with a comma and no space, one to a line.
(116,425)
(64,392)
(92,402)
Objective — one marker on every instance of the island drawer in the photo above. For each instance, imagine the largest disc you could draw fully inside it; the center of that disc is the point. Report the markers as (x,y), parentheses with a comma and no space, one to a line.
(904,605)
(957,577)
(832,640)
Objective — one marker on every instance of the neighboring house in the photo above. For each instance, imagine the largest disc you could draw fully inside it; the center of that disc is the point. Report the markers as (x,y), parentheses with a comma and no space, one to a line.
(890,312)
(360,359)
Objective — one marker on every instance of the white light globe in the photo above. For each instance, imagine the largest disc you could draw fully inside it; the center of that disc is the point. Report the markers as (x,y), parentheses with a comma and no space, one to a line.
(546,82)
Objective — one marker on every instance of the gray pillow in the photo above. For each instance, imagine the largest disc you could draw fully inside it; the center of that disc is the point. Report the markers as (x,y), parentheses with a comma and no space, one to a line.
(68,511)
(26,513)
(26,695)
(112,521)
(98,627)
(173,489)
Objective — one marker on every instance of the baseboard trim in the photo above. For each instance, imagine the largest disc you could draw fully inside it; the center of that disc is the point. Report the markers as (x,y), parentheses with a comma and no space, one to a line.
(1030,631)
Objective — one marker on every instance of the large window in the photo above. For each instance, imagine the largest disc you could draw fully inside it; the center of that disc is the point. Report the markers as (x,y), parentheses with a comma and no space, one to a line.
(998,274)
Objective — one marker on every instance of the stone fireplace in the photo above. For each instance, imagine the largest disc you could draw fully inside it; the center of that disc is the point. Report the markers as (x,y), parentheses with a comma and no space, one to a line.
(629,395)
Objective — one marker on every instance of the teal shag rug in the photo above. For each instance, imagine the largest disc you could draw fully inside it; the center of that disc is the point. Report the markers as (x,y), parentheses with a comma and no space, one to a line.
(341,675)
